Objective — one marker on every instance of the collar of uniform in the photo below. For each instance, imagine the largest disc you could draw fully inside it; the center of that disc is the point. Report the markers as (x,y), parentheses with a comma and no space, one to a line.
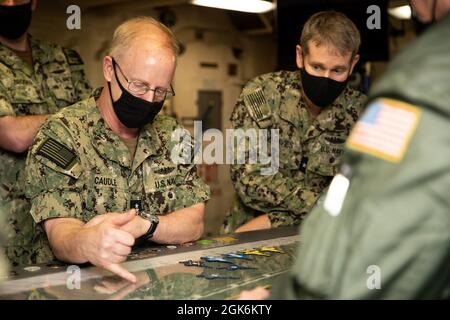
(107,143)
(110,146)
(149,144)
(330,118)
(96,93)
(291,99)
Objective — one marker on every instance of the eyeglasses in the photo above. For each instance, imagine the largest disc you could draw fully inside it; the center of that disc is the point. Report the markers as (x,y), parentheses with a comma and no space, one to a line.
(140,88)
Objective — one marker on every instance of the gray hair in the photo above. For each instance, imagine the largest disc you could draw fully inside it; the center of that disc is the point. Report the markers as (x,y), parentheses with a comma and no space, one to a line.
(142,28)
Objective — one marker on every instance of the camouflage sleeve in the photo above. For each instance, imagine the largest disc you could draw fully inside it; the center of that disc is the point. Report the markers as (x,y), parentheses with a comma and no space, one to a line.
(284,198)
(6,108)
(192,190)
(52,172)
(82,86)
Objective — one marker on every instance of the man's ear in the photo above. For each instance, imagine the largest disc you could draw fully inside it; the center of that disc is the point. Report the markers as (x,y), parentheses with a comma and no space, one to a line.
(33,4)
(354,62)
(299,56)
(108,68)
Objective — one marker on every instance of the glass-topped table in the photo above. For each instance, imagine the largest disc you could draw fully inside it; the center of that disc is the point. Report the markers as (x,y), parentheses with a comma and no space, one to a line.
(159,273)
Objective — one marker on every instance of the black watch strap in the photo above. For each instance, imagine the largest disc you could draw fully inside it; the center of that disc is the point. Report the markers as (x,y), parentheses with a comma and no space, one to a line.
(151,230)
(154,221)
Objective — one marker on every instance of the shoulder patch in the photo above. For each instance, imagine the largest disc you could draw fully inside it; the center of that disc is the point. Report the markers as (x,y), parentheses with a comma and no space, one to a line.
(385,129)
(257,105)
(73,58)
(57,153)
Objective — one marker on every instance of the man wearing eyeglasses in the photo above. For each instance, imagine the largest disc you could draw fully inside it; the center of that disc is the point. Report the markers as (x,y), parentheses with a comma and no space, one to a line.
(100,174)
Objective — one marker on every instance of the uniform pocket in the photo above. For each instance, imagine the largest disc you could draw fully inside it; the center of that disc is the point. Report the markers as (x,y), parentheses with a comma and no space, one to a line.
(326,153)
(163,181)
(62,88)
(59,82)
(104,194)
(25,93)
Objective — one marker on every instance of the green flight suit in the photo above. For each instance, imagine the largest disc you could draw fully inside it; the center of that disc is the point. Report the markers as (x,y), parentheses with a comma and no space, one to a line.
(391,238)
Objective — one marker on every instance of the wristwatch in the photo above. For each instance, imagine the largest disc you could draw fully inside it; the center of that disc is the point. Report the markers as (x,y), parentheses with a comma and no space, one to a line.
(154,221)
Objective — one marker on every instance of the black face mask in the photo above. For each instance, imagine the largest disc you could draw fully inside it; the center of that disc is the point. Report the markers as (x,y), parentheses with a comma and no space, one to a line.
(14,20)
(133,112)
(320,90)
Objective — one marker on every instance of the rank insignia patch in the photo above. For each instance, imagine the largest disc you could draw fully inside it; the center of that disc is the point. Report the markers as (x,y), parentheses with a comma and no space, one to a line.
(57,153)
(385,129)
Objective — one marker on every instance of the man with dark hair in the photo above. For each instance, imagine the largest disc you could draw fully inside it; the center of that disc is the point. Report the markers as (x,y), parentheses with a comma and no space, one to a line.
(313,111)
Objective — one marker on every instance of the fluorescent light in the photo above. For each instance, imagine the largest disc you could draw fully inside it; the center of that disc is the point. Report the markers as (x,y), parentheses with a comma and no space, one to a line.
(402,13)
(252,6)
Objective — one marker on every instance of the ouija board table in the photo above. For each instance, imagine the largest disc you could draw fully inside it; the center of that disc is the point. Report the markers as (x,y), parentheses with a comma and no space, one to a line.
(160,273)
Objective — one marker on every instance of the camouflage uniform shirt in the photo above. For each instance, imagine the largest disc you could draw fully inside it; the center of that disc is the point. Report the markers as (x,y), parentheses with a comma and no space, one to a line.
(79,168)
(55,80)
(309,151)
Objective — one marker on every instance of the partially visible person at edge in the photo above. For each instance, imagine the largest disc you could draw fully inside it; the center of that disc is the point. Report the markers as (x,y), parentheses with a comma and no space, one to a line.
(36,79)
(387,235)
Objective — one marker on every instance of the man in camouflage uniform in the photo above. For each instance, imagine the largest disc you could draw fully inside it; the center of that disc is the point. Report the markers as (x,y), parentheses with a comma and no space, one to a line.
(106,155)
(382,231)
(313,111)
(36,79)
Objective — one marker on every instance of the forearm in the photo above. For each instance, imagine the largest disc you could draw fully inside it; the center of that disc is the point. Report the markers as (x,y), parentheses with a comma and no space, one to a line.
(137,227)
(18,133)
(67,240)
(181,226)
(258,223)
(276,193)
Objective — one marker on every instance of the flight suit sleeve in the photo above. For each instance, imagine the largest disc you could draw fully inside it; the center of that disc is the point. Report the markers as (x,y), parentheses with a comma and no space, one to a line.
(82,86)
(260,186)
(52,172)
(402,251)
(391,239)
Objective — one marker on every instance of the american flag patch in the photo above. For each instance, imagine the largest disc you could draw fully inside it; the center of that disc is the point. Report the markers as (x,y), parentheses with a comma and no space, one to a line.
(257,105)
(385,129)
(57,153)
